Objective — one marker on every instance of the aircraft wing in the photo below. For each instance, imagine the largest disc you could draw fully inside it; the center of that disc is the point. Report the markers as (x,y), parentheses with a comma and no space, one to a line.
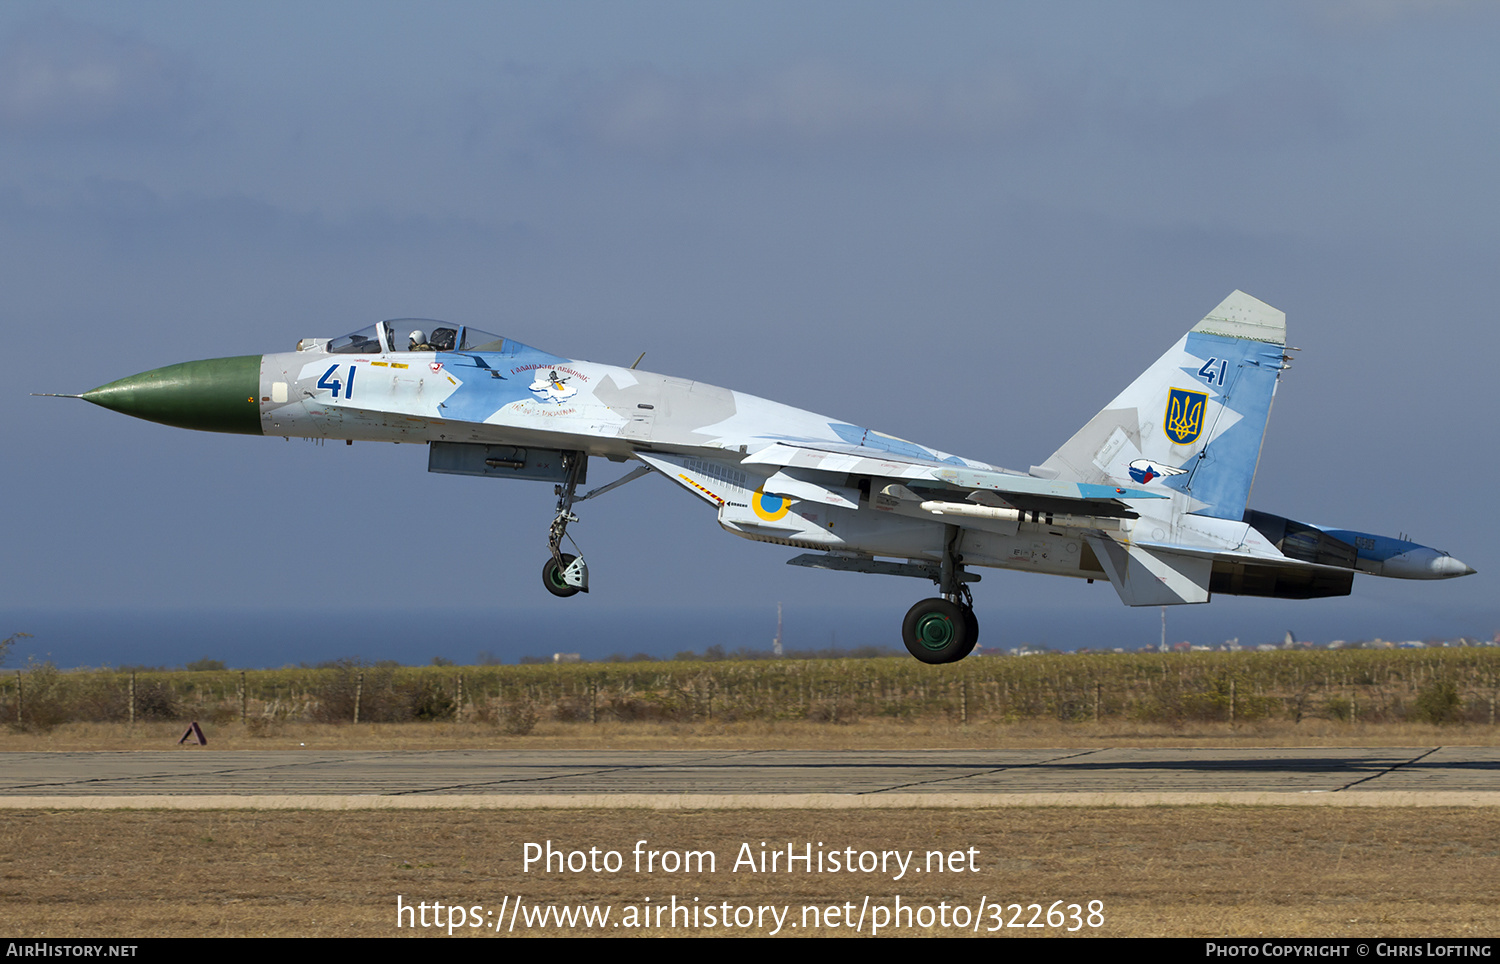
(833,458)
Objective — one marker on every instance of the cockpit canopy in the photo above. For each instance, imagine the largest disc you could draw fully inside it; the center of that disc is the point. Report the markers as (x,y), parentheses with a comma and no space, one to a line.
(419,334)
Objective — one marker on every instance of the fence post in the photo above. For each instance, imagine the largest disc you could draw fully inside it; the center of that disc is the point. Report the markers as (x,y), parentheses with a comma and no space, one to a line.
(359,692)
(132,697)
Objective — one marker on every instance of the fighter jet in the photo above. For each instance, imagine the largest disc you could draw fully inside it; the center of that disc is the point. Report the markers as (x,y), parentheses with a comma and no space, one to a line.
(1150,494)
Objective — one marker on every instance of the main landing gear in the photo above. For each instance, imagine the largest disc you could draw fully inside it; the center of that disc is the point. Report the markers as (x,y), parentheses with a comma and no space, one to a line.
(944,629)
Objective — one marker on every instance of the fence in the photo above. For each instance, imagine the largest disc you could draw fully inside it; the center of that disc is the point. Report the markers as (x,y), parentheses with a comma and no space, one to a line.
(1435,685)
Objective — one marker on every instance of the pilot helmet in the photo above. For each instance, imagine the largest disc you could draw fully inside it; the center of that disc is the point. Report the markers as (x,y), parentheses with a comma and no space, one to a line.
(418,337)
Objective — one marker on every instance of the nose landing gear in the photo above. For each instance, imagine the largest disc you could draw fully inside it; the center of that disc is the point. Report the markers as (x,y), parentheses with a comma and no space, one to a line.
(566,574)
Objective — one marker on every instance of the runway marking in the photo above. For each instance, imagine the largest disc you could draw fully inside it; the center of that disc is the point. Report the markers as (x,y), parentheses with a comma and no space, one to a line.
(1391,769)
(988,771)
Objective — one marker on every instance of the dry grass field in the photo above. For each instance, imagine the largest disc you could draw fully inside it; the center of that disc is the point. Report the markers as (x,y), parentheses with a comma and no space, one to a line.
(1188,871)
(1441,686)
(872,734)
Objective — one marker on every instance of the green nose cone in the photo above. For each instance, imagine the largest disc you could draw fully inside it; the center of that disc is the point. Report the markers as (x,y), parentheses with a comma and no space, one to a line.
(217,395)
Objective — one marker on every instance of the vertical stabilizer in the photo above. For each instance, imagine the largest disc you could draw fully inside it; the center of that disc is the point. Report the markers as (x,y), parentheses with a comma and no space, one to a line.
(1194,420)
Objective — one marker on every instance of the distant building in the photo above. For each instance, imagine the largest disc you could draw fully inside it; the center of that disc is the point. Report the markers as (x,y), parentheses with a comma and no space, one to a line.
(566,658)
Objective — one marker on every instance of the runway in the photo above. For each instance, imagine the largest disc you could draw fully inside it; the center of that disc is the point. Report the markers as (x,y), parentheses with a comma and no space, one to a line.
(200,778)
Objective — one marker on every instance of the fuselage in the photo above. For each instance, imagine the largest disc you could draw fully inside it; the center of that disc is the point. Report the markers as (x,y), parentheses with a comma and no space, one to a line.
(1150,494)
(843,489)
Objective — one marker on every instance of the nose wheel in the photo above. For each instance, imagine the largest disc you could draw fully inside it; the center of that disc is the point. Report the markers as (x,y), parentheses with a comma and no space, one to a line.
(566,577)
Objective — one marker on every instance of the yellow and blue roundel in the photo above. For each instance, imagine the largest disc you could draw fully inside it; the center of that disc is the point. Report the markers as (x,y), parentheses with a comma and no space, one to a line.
(1183,421)
(769,507)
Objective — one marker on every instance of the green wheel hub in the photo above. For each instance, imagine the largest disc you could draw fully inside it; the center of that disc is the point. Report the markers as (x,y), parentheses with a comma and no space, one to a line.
(935,631)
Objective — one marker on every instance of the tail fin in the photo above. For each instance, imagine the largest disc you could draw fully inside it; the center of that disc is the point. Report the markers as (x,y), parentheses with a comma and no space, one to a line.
(1193,421)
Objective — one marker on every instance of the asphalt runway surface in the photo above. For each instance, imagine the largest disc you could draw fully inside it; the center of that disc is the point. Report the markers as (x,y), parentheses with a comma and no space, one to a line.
(199,778)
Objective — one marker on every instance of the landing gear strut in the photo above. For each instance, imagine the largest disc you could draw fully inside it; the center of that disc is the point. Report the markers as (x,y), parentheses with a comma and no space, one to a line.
(944,629)
(565,573)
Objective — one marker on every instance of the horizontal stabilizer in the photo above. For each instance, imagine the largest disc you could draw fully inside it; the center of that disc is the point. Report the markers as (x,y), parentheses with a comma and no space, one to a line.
(1238,573)
(1153,577)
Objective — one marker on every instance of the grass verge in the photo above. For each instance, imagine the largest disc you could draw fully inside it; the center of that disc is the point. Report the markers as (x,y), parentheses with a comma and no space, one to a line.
(1190,871)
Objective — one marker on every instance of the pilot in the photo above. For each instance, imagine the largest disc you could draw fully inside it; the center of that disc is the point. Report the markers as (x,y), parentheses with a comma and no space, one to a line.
(418,341)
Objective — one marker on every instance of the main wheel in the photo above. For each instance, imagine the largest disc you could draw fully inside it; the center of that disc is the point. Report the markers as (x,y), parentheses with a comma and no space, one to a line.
(552,576)
(938,631)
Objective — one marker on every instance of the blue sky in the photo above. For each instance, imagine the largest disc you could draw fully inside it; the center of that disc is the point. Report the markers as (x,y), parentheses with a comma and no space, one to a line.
(965,224)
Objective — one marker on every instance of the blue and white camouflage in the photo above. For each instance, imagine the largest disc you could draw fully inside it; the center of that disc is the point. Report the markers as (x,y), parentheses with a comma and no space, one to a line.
(1151,494)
